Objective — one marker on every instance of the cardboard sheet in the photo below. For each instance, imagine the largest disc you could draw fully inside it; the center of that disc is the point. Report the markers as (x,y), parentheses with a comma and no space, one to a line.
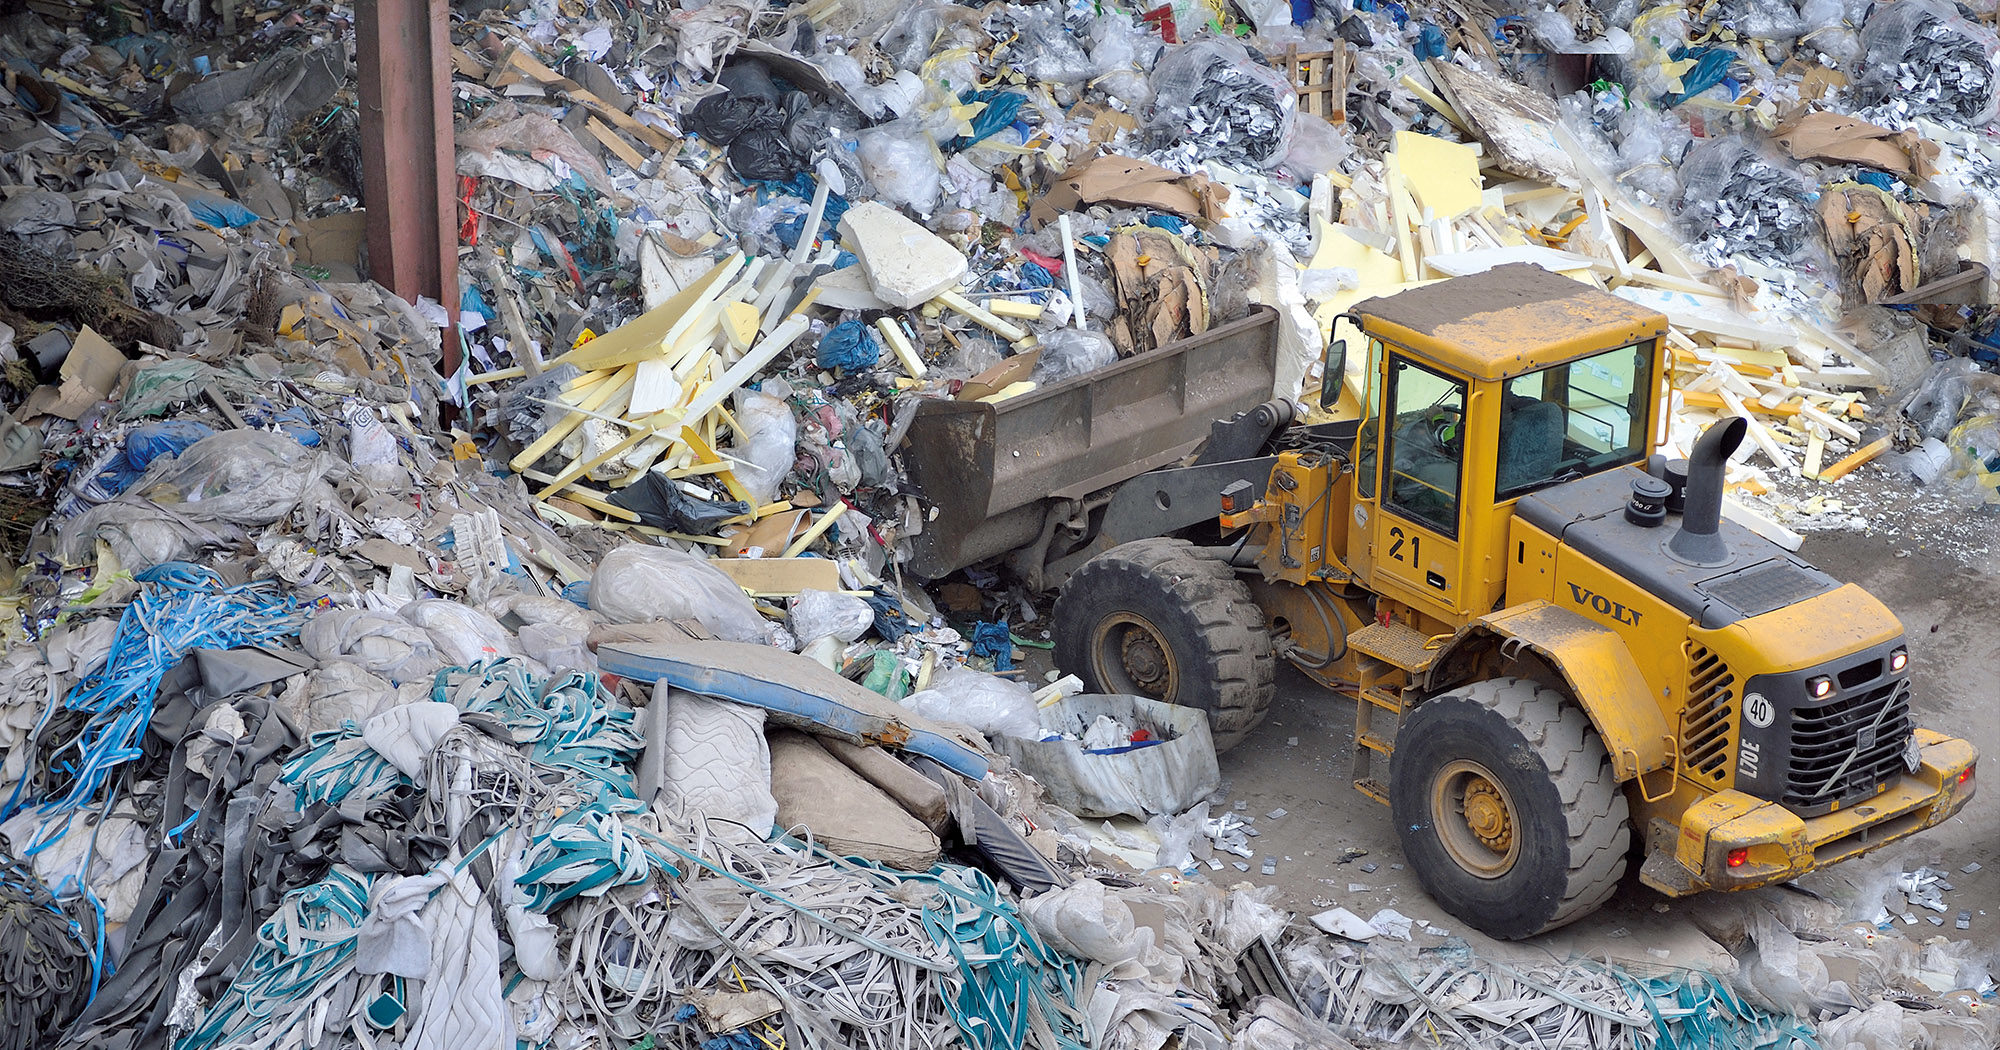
(1123,180)
(89,374)
(1843,139)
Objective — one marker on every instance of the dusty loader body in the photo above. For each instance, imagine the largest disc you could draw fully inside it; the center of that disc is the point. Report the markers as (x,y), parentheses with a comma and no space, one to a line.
(1560,654)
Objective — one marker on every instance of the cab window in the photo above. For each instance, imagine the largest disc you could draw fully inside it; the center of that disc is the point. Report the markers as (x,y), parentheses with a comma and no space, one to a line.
(1371,426)
(1425,411)
(1573,419)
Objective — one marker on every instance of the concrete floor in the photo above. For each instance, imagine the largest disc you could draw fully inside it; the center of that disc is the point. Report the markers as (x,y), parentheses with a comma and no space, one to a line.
(1935,571)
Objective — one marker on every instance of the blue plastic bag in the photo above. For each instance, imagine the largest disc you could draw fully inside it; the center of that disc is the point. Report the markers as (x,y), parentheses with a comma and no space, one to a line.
(146,444)
(221,211)
(995,641)
(849,346)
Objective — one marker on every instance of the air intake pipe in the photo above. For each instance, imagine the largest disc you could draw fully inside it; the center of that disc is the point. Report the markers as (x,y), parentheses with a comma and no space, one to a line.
(1699,541)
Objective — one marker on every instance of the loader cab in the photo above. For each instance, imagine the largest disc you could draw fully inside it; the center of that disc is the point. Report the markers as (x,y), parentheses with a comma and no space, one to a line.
(1508,383)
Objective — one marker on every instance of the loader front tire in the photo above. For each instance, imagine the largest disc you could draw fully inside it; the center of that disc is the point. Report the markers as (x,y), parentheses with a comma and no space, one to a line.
(1507,807)
(1166,619)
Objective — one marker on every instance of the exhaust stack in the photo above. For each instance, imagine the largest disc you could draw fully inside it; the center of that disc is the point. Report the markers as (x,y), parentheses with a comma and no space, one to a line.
(1699,541)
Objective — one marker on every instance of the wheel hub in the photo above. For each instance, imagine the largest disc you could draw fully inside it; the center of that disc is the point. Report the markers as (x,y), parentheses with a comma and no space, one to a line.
(1131,656)
(1475,819)
(1144,660)
(1486,814)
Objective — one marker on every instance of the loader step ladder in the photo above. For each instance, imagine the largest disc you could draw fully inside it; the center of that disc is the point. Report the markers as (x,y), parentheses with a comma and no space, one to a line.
(1393,653)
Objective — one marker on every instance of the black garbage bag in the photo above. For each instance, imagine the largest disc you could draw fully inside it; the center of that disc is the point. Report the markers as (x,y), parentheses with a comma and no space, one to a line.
(724,117)
(765,155)
(661,503)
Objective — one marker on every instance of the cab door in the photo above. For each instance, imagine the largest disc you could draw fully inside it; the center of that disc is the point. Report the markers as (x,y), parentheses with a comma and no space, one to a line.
(1417,532)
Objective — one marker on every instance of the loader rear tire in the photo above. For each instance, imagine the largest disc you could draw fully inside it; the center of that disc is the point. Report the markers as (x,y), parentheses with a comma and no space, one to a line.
(1507,807)
(1166,619)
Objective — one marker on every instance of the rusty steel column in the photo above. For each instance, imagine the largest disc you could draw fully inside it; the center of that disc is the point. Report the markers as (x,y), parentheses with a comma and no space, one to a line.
(407,156)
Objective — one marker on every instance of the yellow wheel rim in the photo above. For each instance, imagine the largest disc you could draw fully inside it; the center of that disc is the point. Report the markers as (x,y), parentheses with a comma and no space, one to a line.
(1475,819)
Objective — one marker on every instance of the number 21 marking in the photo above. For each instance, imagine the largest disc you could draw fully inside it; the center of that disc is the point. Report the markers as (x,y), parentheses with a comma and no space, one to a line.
(1396,548)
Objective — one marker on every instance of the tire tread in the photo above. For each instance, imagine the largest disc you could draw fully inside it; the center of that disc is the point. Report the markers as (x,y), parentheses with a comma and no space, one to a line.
(1200,582)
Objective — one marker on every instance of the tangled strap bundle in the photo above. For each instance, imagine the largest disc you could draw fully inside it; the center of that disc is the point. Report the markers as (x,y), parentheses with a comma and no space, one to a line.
(856,955)
(47,960)
(183,608)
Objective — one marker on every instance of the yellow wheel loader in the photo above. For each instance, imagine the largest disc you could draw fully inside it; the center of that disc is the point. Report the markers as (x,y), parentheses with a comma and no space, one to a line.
(1560,653)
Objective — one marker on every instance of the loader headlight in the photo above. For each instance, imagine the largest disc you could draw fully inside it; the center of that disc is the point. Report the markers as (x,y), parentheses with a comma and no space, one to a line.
(1820,687)
(1899,659)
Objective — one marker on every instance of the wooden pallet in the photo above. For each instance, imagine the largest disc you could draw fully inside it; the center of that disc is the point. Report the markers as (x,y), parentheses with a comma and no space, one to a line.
(1320,77)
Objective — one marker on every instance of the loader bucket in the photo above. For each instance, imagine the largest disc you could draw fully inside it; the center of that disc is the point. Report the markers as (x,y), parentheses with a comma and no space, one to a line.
(987,468)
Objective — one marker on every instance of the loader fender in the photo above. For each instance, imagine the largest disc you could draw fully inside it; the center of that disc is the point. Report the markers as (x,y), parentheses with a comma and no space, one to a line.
(1592,660)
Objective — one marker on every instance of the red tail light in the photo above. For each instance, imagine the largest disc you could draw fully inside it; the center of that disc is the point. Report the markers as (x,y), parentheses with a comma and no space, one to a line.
(1738,856)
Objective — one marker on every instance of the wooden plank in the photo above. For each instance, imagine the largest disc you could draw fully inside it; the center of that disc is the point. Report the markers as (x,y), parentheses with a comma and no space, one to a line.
(603,133)
(780,576)
(1013,309)
(589,497)
(899,344)
(807,538)
(1759,433)
(980,316)
(1761,524)
(581,466)
(495,376)
(520,343)
(620,119)
(645,334)
(1833,426)
(562,427)
(1435,101)
(1399,216)
(750,364)
(706,453)
(1865,454)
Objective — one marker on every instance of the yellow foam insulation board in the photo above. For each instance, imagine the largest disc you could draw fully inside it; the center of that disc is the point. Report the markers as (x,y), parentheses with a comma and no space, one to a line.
(1443,176)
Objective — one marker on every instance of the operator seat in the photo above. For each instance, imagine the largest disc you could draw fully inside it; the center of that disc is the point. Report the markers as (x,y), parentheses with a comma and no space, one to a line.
(1531,441)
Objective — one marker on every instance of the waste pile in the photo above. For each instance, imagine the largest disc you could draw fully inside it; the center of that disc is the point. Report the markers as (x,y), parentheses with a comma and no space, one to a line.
(542,667)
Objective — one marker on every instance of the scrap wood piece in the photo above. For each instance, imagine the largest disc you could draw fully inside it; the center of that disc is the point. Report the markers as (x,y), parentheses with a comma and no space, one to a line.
(812,535)
(614,142)
(1762,524)
(1320,78)
(1400,209)
(980,316)
(599,397)
(586,463)
(587,496)
(519,341)
(1833,425)
(1758,432)
(644,335)
(709,457)
(899,344)
(1437,102)
(1853,460)
(516,57)
(781,576)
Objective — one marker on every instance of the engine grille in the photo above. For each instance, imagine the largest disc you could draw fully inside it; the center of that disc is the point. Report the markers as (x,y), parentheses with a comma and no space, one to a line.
(1710,713)
(1873,725)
